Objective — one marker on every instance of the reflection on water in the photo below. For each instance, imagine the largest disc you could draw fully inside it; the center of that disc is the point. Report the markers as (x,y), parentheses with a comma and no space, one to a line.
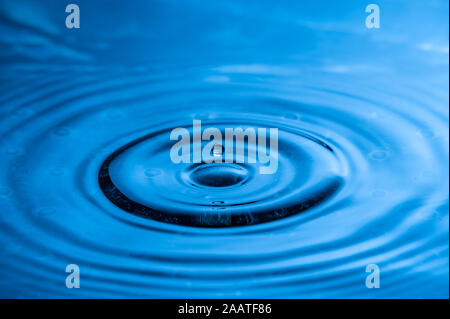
(363,149)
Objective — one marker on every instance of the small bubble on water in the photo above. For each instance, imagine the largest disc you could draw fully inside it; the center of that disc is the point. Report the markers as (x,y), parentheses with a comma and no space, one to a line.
(217,202)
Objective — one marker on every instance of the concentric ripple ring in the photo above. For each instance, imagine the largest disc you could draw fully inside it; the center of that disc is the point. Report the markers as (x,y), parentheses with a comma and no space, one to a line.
(214,185)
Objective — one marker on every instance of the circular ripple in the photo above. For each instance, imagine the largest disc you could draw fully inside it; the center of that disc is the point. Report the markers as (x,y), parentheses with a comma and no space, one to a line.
(377,189)
(221,194)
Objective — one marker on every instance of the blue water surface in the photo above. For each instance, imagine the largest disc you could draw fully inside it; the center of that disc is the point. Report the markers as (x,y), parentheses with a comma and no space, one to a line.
(363,122)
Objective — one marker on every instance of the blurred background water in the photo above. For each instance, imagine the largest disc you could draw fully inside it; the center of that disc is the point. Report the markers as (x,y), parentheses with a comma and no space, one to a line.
(363,121)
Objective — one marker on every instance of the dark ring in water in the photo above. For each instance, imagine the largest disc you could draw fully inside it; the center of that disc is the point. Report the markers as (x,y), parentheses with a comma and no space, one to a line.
(210,219)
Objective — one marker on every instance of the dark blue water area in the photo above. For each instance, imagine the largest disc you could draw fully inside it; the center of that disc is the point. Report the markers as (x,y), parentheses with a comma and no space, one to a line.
(363,139)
